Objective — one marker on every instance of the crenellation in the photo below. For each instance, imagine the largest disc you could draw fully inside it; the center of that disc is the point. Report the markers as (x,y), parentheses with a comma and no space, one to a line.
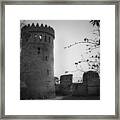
(28,25)
(37,25)
(39,28)
(33,25)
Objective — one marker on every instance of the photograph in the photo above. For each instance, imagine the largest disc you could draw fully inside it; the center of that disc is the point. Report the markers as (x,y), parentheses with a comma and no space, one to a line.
(59,60)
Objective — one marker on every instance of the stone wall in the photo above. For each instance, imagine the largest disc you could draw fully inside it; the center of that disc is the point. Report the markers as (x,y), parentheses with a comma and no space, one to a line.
(89,87)
(66,84)
(93,82)
(79,89)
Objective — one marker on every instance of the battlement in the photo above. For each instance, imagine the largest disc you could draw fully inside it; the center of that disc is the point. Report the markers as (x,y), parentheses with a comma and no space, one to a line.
(38,28)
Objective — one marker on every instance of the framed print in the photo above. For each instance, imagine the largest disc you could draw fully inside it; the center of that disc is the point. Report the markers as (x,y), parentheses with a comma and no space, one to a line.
(59,59)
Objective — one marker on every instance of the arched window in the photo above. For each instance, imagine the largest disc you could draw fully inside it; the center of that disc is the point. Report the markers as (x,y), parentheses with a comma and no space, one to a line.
(35,35)
(38,50)
(46,58)
(48,72)
(40,36)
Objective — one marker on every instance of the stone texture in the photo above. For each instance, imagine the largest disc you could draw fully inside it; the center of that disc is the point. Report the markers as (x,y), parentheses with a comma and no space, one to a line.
(66,84)
(93,82)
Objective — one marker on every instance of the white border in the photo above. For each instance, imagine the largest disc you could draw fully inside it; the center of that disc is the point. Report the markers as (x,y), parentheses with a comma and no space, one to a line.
(13,15)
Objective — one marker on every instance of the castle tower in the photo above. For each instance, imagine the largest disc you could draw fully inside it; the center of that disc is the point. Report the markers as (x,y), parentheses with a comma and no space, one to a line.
(36,61)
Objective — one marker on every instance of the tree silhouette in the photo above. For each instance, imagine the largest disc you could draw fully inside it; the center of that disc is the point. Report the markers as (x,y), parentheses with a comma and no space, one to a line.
(95,22)
(92,49)
(92,45)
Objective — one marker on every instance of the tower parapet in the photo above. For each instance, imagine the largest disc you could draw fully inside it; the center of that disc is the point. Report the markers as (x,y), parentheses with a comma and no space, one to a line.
(39,28)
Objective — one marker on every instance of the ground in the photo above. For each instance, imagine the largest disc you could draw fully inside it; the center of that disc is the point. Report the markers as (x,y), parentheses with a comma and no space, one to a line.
(70,97)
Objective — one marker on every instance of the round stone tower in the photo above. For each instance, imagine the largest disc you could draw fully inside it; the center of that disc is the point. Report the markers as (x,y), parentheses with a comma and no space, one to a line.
(36,61)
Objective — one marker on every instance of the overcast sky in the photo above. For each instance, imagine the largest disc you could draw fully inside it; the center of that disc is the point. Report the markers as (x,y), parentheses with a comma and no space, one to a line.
(67,32)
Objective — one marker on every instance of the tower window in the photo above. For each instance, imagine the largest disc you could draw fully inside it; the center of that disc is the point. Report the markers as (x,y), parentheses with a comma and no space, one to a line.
(35,35)
(46,58)
(40,37)
(45,39)
(48,72)
(38,50)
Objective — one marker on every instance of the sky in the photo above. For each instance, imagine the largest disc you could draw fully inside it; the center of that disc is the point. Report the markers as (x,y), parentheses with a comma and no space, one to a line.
(67,32)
